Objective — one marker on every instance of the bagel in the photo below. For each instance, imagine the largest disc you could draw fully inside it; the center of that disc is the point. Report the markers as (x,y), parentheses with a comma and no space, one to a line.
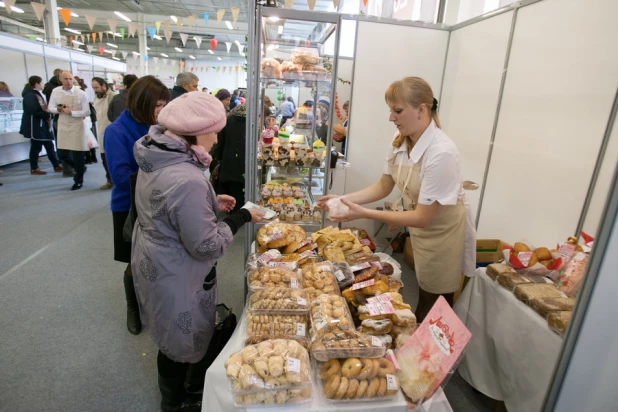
(375,370)
(385,367)
(374,386)
(362,389)
(331,386)
(366,369)
(343,388)
(352,389)
(330,368)
(382,388)
(351,368)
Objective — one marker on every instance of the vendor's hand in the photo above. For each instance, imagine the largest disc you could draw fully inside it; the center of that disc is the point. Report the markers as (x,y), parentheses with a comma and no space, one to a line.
(68,111)
(356,212)
(322,201)
(226,203)
(256,215)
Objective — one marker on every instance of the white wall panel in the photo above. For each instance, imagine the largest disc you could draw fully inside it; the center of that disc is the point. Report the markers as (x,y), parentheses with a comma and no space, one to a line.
(558,93)
(35,65)
(385,53)
(13,71)
(470,92)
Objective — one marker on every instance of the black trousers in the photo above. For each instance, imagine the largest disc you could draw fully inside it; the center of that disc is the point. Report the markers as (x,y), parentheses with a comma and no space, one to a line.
(75,159)
(236,190)
(104,161)
(35,149)
(426,301)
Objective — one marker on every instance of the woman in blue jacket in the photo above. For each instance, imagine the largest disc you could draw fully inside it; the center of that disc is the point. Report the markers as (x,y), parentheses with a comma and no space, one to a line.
(145,100)
(36,125)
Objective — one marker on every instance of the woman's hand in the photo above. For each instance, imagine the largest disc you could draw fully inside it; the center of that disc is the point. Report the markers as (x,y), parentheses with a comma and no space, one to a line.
(322,201)
(226,203)
(256,215)
(356,212)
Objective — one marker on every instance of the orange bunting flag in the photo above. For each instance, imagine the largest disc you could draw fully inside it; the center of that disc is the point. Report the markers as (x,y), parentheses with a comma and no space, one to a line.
(220,14)
(94,37)
(236,67)
(66,15)
(311,4)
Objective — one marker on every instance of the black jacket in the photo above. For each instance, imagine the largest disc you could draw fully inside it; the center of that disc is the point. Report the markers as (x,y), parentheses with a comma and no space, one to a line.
(230,148)
(177,91)
(117,105)
(31,126)
(50,86)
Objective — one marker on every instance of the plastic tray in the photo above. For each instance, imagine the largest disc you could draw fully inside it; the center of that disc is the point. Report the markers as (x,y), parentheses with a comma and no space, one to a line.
(278,326)
(268,277)
(280,397)
(345,276)
(345,344)
(320,279)
(278,301)
(330,313)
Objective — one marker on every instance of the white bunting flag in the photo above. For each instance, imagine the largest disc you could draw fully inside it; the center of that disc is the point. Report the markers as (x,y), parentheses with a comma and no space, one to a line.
(132,29)
(198,40)
(184,37)
(168,35)
(112,24)
(125,54)
(113,53)
(39,9)
(89,48)
(156,60)
(228,44)
(90,18)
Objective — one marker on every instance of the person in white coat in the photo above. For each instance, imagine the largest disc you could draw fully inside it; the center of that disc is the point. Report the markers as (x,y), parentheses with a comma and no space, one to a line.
(71,103)
(423,162)
(104,97)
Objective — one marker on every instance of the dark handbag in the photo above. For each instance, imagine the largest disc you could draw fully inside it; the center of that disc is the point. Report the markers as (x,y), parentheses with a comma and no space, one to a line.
(127,229)
(224,329)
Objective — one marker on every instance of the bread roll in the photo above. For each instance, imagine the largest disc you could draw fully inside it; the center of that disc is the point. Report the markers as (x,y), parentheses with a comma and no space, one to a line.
(547,263)
(543,253)
(520,247)
(534,259)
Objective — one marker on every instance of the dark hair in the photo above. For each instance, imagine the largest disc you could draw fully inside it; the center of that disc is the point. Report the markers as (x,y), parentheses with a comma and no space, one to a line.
(32,80)
(143,97)
(308,103)
(191,140)
(101,81)
(223,94)
(128,80)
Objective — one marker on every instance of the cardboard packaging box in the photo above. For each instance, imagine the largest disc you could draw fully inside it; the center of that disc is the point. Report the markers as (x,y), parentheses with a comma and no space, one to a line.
(488,251)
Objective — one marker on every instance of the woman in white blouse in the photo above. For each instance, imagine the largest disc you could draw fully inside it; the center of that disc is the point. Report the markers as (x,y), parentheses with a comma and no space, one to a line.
(424,164)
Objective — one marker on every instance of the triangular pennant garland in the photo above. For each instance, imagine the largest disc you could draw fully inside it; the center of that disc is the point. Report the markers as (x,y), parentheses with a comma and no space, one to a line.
(39,9)
(224,69)
(205,16)
(122,32)
(168,35)
(239,47)
(289,4)
(132,29)
(100,37)
(9,5)
(158,26)
(165,62)
(178,23)
(184,37)
(228,44)
(191,20)
(65,13)
(168,25)
(91,19)
(94,37)
(156,60)
(151,32)
(112,24)
(213,43)
(311,4)
(89,48)
(236,67)
(101,51)
(235,12)
(81,37)
(198,40)
(113,52)
(220,14)
(336,3)
(125,54)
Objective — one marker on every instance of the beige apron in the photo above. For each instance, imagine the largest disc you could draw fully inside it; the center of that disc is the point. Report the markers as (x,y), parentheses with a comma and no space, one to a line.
(71,129)
(439,248)
(101,106)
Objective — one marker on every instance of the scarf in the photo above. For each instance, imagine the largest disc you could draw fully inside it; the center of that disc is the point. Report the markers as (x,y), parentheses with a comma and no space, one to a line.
(198,153)
(43,105)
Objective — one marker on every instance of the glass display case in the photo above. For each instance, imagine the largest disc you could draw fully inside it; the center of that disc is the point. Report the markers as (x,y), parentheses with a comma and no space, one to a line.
(13,146)
(11,110)
(290,92)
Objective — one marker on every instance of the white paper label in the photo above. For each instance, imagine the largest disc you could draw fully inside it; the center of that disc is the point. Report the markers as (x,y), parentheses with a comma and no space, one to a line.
(385,308)
(320,324)
(372,309)
(286,265)
(360,266)
(566,250)
(300,329)
(340,276)
(391,383)
(275,236)
(364,284)
(562,294)
(384,298)
(390,355)
(294,283)
(524,258)
(305,254)
(547,280)
(377,264)
(365,242)
(375,341)
(270,223)
(301,301)
(293,365)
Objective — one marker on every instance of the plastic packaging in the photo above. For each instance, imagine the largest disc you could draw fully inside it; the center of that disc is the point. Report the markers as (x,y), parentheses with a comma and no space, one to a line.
(526,293)
(358,380)
(571,276)
(336,207)
(296,396)
(278,326)
(320,279)
(267,277)
(346,343)
(496,269)
(510,280)
(343,273)
(558,321)
(278,301)
(272,364)
(545,306)
(330,313)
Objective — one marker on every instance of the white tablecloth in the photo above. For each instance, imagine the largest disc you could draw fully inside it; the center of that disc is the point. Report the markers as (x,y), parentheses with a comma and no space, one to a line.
(512,354)
(218,398)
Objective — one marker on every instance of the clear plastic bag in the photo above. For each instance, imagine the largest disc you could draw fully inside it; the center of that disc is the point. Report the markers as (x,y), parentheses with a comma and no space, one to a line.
(267,277)
(330,313)
(345,276)
(273,301)
(278,326)
(320,279)
(270,398)
(345,344)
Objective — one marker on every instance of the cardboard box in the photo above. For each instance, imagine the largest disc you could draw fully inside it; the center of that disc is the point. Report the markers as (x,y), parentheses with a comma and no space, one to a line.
(488,250)
(408,257)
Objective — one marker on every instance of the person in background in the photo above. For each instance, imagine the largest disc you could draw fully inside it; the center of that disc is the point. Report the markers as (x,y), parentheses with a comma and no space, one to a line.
(225,97)
(47,91)
(4,90)
(178,239)
(36,125)
(90,156)
(234,99)
(119,102)
(102,101)
(185,82)
(71,103)
(341,131)
(147,96)
(286,110)
(242,98)
(229,154)
(289,99)
(205,89)
(52,84)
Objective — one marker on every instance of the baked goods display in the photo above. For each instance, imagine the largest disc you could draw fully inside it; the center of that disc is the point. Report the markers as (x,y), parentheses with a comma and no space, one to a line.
(303,65)
(278,326)
(545,306)
(558,321)
(510,280)
(496,269)
(358,378)
(526,293)
(330,313)
(272,301)
(343,273)
(285,237)
(335,239)
(347,343)
(320,279)
(571,277)
(289,154)
(268,277)
(275,397)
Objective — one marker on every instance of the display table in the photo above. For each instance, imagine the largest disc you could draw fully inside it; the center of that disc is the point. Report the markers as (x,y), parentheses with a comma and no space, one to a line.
(512,354)
(218,398)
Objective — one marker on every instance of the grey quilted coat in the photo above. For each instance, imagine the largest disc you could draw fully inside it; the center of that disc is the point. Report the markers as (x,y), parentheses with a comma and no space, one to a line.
(176,242)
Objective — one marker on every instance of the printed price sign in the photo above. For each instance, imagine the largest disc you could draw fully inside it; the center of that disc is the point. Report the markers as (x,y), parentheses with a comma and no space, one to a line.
(305,242)
(300,329)
(305,254)
(339,275)
(385,308)
(293,365)
(375,341)
(301,301)
(364,284)
(267,257)
(320,324)
(524,258)
(566,250)
(360,266)
(372,309)
(365,242)
(294,283)
(391,383)
(287,265)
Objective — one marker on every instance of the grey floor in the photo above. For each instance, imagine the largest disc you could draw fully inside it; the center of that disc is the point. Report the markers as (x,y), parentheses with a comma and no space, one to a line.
(63,342)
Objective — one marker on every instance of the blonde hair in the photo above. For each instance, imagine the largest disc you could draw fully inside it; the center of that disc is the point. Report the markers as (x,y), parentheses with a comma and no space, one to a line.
(4,87)
(415,92)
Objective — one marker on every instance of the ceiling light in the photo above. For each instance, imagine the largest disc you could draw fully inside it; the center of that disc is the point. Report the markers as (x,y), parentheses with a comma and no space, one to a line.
(116,58)
(73,14)
(218,58)
(157,37)
(211,52)
(273,18)
(112,45)
(280,30)
(122,16)
(73,30)
(178,49)
(147,48)
(107,51)
(39,39)
(191,57)
(229,25)
(174,19)
(78,42)
(164,55)
(136,53)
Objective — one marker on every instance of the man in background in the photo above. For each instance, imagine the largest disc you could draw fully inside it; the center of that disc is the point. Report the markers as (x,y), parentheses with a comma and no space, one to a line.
(101,104)
(119,102)
(185,82)
(235,101)
(47,91)
(286,110)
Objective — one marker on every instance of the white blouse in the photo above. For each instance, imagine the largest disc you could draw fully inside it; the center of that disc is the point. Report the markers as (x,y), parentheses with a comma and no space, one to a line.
(440,174)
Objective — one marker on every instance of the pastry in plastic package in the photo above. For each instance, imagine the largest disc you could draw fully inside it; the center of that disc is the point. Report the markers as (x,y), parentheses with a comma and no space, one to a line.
(278,235)
(330,313)
(526,293)
(558,321)
(267,277)
(272,301)
(510,280)
(387,269)
(365,274)
(271,364)
(346,343)
(295,396)
(496,269)
(278,326)
(303,57)
(362,257)
(376,326)
(334,254)
(343,273)
(320,279)
(571,276)
(355,378)
(545,306)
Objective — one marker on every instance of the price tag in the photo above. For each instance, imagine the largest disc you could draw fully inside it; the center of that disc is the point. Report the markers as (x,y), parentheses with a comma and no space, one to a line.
(365,242)
(294,283)
(275,236)
(377,264)
(320,324)
(314,246)
(287,265)
(301,301)
(562,294)
(305,254)
(300,329)
(293,365)
(391,383)
(566,250)
(305,242)
(267,257)
(385,308)
(360,266)
(390,355)
(372,309)
(270,223)
(339,275)
(384,298)
(364,284)
(524,258)
(375,341)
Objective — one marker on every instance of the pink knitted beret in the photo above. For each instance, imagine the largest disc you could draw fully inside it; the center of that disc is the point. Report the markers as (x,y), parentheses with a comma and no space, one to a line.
(193,114)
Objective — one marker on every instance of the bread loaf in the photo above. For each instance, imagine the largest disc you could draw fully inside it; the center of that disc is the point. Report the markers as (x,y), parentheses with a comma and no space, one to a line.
(545,306)
(558,321)
(526,293)
(496,269)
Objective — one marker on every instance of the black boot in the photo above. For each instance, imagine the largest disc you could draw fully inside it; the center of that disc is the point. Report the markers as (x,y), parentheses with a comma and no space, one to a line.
(173,396)
(134,324)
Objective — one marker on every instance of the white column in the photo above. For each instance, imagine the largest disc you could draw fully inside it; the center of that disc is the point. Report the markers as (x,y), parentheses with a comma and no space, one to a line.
(471,8)
(51,23)
(142,36)
(428,10)
(452,11)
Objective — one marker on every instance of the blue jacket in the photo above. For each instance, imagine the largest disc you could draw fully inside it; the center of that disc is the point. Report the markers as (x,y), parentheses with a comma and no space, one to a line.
(120,137)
